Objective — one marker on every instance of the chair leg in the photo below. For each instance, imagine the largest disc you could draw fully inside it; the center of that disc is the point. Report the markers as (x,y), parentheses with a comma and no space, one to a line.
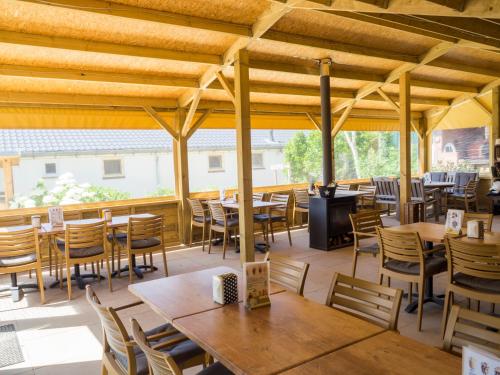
(266,240)
(191,235)
(354,263)
(50,259)
(224,240)
(293,217)
(68,278)
(98,272)
(389,281)
(203,238)
(164,262)
(130,270)
(40,283)
(410,293)
(420,304)
(272,230)
(119,255)
(144,259)
(446,308)
(109,272)
(209,240)
(288,230)
(151,261)
(104,370)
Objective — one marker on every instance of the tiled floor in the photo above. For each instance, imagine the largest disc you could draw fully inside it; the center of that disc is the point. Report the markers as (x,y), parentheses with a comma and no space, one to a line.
(63,337)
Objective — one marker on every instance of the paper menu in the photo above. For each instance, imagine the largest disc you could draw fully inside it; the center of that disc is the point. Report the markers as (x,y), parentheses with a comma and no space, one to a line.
(454,220)
(479,362)
(256,284)
(56,216)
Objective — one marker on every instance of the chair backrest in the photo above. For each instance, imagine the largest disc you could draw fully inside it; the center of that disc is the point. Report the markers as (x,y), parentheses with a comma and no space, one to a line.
(487,219)
(85,235)
(386,187)
(402,246)
(417,189)
(116,343)
(144,228)
(160,363)
(438,176)
(466,327)
(301,196)
(12,221)
(196,207)
(19,243)
(217,211)
(462,179)
(471,187)
(280,198)
(288,272)
(343,187)
(478,260)
(377,303)
(366,221)
(368,189)
(258,196)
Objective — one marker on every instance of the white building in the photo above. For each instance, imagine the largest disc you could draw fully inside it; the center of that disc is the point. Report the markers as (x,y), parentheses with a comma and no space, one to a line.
(138,161)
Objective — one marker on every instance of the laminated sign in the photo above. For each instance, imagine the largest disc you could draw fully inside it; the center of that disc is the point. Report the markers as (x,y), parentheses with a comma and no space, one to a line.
(56,216)
(476,361)
(256,284)
(225,288)
(454,220)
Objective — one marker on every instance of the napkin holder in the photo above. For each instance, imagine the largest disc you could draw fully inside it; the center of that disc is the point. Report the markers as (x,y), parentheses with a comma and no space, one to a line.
(475,229)
(225,288)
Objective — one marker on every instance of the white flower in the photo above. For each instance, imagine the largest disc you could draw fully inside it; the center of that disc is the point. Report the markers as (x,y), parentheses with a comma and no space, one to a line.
(48,199)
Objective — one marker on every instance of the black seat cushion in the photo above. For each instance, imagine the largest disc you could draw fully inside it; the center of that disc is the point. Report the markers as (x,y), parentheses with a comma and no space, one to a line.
(303,205)
(275,218)
(117,235)
(370,249)
(230,222)
(261,217)
(462,195)
(200,219)
(140,244)
(17,260)
(215,369)
(83,252)
(180,352)
(433,266)
(479,283)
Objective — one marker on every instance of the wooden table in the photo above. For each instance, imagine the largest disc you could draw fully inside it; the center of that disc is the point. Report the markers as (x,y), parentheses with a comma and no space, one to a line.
(186,294)
(268,340)
(387,353)
(256,204)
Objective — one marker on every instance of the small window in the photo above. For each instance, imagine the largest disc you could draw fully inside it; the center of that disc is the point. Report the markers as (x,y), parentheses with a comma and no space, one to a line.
(449,147)
(113,168)
(50,169)
(215,163)
(257,160)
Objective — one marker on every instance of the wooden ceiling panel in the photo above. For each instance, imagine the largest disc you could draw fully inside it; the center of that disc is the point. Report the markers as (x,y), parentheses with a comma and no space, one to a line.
(429,73)
(320,24)
(56,21)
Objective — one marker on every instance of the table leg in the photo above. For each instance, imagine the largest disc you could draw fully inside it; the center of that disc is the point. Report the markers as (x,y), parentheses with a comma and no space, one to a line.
(137,269)
(79,278)
(16,291)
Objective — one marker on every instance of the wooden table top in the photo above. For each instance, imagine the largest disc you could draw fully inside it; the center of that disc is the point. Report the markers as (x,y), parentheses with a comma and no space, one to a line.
(268,340)
(256,204)
(190,293)
(435,233)
(387,353)
(15,228)
(116,222)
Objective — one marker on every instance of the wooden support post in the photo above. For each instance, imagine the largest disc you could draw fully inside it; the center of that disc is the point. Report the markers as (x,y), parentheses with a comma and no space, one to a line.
(423,147)
(495,121)
(244,155)
(181,172)
(326,121)
(6,163)
(404,143)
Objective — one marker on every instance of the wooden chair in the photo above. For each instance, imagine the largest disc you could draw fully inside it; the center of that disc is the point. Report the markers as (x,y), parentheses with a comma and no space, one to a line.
(83,243)
(12,221)
(261,216)
(258,196)
(465,194)
(387,193)
(279,214)
(403,257)
(301,205)
(438,176)
(200,218)
(369,301)
(116,233)
(288,272)
(367,200)
(473,272)
(122,356)
(487,219)
(144,236)
(364,224)
(222,222)
(53,250)
(162,362)
(19,252)
(343,187)
(428,199)
(466,327)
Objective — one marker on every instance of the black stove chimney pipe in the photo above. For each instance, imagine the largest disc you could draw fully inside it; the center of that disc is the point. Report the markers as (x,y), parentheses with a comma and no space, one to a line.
(326,120)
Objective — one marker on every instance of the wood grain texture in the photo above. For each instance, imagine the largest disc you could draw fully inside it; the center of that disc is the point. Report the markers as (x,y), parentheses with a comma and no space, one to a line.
(186,294)
(293,330)
(387,353)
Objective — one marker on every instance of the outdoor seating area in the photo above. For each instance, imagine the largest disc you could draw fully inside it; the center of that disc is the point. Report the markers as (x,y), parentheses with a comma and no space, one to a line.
(256,187)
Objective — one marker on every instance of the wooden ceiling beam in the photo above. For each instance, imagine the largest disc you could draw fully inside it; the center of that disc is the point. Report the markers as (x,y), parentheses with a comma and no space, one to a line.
(228,86)
(160,121)
(470,25)
(458,5)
